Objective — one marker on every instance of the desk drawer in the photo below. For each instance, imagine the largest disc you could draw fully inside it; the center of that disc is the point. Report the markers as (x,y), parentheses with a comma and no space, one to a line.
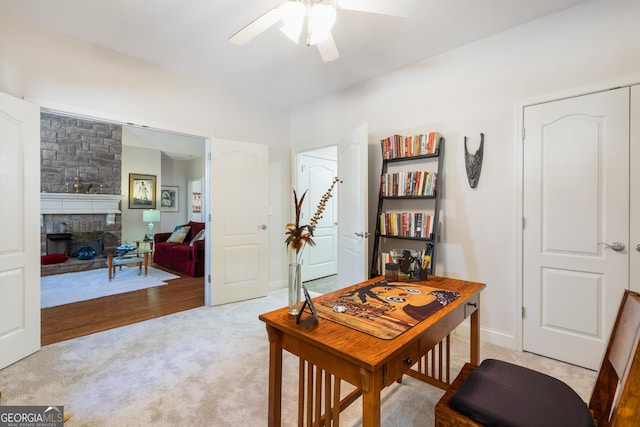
(401,362)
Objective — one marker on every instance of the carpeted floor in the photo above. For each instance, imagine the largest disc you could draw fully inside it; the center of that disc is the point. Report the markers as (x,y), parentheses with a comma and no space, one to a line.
(207,367)
(83,285)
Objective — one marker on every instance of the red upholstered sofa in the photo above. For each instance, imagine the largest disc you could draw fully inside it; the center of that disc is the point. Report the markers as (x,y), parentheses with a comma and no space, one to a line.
(182,257)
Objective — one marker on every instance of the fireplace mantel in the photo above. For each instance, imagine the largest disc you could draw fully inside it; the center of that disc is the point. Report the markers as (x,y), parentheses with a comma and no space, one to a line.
(71,203)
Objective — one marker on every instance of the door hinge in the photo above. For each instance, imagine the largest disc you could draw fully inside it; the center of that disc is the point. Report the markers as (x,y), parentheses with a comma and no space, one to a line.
(208,278)
(209,156)
(524,132)
(523,222)
(523,312)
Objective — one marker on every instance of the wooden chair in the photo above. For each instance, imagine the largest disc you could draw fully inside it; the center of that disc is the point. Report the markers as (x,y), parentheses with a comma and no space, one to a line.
(499,393)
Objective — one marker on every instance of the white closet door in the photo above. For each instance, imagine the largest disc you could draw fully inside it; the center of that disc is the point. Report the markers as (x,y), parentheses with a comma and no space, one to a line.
(576,206)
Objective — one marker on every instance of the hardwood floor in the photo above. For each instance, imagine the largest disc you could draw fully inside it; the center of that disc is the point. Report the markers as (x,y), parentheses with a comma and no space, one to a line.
(69,321)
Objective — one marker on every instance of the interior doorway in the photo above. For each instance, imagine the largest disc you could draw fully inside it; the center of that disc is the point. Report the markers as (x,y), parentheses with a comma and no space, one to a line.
(178,153)
(315,171)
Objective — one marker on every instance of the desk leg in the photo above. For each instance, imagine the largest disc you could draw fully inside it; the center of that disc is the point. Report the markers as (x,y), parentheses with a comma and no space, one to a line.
(371,387)
(474,337)
(275,377)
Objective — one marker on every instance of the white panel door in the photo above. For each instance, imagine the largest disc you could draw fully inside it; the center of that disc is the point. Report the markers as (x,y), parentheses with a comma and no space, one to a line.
(239,213)
(353,207)
(20,243)
(634,241)
(315,176)
(576,202)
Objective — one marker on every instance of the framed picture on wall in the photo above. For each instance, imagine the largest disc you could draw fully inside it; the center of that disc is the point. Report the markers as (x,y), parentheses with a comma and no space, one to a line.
(196,204)
(142,191)
(169,198)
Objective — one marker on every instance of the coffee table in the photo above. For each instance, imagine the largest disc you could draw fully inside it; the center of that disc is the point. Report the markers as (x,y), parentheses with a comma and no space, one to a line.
(141,258)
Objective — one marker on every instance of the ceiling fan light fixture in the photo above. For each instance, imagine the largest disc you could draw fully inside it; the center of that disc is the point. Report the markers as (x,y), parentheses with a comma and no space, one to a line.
(321,19)
(293,13)
(320,16)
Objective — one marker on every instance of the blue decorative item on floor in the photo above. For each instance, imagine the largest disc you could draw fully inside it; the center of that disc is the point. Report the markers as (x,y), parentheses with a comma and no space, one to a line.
(86,252)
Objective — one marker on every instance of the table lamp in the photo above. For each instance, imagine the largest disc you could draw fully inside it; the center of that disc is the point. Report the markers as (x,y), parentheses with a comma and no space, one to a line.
(150,216)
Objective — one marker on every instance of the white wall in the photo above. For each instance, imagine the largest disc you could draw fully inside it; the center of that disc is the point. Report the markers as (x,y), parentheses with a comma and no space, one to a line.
(56,70)
(65,74)
(473,89)
(137,161)
(178,173)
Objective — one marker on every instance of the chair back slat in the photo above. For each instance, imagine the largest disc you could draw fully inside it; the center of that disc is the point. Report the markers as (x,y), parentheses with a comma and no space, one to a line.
(626,336)
(616,394)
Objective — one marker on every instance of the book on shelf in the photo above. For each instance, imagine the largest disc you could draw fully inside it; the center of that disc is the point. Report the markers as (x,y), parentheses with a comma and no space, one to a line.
(408,184)
(398,146)
(406,224)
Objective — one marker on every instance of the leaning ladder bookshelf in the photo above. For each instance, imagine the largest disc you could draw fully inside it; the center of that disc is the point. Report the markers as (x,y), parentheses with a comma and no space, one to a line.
(418,189)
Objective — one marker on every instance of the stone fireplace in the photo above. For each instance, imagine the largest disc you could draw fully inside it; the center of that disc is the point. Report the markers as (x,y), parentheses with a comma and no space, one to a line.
(80,184)
(86,212)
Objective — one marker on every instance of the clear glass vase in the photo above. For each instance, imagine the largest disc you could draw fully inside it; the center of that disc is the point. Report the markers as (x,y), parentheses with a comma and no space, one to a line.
(295,289)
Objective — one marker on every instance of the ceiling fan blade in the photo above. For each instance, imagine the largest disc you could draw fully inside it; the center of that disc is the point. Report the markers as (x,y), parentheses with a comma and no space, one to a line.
(402,8)
(257,26)
(328,49)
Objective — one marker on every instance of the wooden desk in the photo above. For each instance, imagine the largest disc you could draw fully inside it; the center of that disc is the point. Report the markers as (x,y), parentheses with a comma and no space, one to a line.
(330,353)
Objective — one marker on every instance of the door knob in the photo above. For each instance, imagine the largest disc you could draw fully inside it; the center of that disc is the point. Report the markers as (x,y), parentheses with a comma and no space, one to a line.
(616,246)
(364,234)
(638,247)
(263,226)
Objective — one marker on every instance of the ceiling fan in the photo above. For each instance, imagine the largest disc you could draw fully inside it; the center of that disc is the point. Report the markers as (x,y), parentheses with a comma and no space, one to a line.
(320,16)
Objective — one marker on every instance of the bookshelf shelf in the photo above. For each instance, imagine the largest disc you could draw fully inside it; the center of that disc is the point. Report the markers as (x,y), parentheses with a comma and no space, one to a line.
(421,239)
(407,197)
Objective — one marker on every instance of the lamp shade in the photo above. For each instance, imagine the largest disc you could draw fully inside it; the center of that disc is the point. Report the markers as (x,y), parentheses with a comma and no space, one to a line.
(151,215)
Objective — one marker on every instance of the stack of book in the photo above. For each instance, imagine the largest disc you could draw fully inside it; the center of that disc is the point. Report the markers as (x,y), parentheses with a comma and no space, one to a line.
(398,146)
(406,224)
(408,184)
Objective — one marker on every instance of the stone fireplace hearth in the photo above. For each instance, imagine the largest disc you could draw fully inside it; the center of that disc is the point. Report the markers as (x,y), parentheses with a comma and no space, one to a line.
(87,212)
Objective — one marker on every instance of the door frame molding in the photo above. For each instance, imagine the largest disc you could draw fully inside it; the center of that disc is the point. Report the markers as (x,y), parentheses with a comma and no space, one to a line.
(520,105)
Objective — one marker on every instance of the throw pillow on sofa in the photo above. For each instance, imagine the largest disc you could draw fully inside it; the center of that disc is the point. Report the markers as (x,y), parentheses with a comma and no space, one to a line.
(179,234)
(199,236)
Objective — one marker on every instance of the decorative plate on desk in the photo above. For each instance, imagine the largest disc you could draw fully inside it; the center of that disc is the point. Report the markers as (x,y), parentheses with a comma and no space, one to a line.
(383,309)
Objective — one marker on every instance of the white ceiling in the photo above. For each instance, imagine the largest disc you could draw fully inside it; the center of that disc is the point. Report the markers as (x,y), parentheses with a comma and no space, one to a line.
(173,146)
(191,36)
